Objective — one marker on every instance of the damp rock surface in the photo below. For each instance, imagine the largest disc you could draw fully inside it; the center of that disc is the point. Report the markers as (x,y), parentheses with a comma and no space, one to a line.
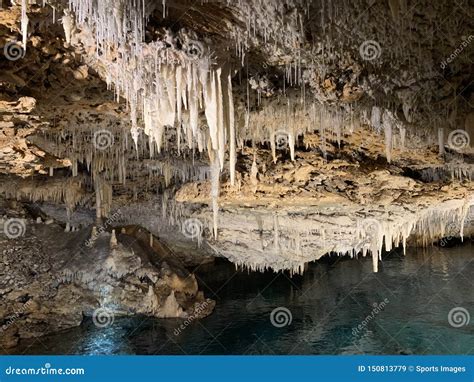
(51,279)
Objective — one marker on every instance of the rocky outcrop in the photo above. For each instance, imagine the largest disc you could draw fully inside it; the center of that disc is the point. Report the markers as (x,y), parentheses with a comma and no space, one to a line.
(50,280)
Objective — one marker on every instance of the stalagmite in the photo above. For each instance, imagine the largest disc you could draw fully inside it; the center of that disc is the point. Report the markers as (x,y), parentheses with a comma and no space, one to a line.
(93,234)
(113,240)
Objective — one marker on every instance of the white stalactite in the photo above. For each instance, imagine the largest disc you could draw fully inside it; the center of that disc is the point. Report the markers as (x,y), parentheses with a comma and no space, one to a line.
(232,154)
(24,22)
(215,173)
(388,130)
(68,25)
(441,141)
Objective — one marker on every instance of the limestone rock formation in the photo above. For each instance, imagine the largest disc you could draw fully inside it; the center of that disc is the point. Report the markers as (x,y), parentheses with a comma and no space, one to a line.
(270,133)
(47,284)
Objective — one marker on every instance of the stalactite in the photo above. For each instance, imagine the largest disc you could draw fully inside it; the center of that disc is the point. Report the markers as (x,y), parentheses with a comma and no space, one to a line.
(103,194)
(276,245)
(402,138)
(441,141)
(98,199)
(375,118)
(68,25)
(254,175)
(388,129)
(215,173)
(220,119)
(273,145)
(24,22)
(232,153)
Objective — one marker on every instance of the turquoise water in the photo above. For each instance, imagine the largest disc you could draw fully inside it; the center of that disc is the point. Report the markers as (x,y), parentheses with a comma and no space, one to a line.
(337,307)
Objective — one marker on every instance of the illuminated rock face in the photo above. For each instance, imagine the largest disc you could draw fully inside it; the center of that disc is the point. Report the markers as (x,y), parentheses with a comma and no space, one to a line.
(279,130)
(51,279)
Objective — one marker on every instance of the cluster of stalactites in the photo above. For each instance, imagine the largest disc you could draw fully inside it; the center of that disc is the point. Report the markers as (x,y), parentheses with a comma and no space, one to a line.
(118,161)
(117,24)
(103,197)
(278,22)
(426,227)
(167,89)
(280,123)
(288,243)
(181,94)
(165,86)
(385,119)
(69,191)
